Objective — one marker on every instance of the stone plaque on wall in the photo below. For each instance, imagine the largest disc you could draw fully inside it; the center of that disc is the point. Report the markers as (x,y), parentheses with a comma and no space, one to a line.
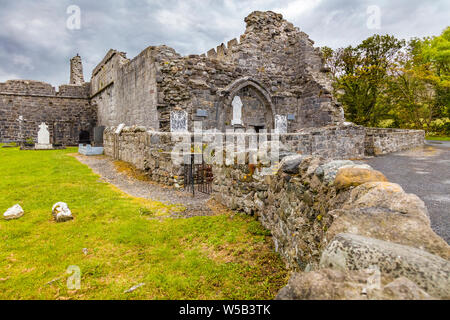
(281,124)
(178,121)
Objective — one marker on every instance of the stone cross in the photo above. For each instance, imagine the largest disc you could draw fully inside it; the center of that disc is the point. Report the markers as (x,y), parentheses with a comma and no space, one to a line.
(280,124)
(237,110)
(43,134)
(20,119)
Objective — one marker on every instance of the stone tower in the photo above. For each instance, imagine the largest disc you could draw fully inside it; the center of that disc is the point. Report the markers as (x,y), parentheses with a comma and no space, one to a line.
(76,70)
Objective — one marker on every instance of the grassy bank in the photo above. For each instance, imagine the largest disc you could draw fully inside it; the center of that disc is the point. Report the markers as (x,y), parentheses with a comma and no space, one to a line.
(227,256)
(438,138)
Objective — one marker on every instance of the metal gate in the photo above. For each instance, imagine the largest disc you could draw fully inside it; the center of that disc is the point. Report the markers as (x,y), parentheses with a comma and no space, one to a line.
(198,177)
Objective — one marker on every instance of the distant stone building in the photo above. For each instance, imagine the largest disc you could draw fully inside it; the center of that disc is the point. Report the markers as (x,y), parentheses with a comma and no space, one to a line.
(25,104)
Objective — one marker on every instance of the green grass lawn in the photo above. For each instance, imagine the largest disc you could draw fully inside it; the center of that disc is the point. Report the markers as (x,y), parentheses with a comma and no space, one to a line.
(438,138)
(227,256)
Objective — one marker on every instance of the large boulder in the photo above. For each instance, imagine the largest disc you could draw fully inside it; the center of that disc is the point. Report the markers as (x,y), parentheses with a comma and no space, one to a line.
(352,177)
(15,212)
(354,252)
(388,196)
(384,211)
(328,171)
(61,212)
(329,284)
(387,225)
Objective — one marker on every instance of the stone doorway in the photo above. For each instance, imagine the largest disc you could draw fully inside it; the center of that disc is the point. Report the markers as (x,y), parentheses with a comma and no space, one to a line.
(84,137)
(245,104)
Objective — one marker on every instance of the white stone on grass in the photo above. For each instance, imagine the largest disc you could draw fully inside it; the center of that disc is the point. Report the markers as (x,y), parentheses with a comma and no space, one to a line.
(14,212)
(61,212)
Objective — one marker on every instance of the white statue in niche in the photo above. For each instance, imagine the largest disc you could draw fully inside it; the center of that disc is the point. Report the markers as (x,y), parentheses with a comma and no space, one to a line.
(281,124)
(237,111)
(178,121)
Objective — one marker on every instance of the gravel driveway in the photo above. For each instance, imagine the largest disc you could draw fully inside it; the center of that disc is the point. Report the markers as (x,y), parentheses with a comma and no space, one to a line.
(425,172)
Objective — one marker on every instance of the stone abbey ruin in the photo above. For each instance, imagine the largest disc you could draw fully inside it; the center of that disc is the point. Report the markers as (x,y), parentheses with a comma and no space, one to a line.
(331,218)
(273,72)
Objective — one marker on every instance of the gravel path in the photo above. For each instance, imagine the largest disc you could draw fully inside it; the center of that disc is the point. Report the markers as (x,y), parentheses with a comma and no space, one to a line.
(201,205)
(425,172)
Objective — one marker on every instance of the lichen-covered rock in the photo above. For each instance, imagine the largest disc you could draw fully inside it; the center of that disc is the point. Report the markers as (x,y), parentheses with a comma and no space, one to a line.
(329,170)
(404,289)
(388,225)
(61,212)
(328,284)
(353,177)
(15,212)
(354,252)
(389,196)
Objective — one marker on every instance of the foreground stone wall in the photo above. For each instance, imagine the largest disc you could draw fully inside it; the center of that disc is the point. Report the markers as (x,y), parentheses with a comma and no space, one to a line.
(66,112)
(381,141)
(335,220)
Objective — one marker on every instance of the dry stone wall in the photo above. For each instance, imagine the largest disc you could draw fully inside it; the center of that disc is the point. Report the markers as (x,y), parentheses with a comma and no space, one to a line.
(339,215)
(148,151)
(381,141)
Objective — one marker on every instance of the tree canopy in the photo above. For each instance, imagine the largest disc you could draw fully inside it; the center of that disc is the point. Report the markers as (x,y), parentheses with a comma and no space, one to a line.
(389,82)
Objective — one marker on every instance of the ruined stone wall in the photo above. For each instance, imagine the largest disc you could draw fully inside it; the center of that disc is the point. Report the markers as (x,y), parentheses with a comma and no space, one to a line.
(383,141)
(125,91)
(284,59)
(333,142)
(148,151)
(335,220)
(272,54)
(66,112)
(190,84)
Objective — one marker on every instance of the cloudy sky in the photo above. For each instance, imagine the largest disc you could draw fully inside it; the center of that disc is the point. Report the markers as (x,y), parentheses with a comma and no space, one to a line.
(36,42)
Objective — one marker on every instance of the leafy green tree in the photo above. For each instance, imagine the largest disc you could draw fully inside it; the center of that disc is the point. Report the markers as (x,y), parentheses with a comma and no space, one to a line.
(384,82)
(360,74)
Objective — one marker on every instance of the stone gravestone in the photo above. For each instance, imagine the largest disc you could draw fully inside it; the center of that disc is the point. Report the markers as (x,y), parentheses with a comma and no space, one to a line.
(98,136)
(43,138)
(237,111)
(178,121)
(280,124)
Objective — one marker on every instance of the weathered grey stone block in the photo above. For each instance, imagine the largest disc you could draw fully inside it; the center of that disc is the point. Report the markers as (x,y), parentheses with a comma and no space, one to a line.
(354,252)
